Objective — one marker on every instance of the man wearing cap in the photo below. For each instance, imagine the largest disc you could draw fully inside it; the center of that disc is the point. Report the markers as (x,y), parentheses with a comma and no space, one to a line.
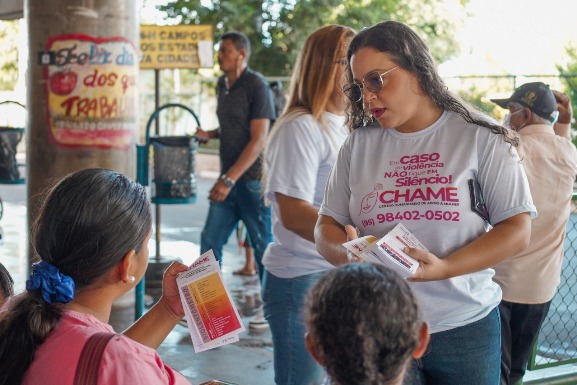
(529,279)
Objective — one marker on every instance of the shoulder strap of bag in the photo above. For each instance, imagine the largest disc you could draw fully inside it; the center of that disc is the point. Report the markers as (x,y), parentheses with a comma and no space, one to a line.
(89,361)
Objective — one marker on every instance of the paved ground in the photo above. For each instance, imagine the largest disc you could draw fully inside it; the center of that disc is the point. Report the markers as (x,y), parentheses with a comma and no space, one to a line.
(247,362)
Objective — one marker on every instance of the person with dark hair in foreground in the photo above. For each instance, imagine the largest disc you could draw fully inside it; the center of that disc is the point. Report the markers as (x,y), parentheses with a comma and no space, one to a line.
(91,237)
(364,325)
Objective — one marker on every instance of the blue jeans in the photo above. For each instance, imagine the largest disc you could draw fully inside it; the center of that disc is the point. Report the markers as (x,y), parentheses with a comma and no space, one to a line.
(244,202)
(469,354)
(283,309)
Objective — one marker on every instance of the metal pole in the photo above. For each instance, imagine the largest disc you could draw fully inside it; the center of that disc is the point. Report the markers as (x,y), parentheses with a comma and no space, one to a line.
(157,132)
(139,299)
(567,378)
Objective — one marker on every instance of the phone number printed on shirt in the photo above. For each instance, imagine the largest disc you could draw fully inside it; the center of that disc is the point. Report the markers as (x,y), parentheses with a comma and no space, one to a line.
(430,215)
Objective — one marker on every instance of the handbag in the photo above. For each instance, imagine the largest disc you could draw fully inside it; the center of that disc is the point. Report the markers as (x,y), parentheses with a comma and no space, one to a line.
(89,361)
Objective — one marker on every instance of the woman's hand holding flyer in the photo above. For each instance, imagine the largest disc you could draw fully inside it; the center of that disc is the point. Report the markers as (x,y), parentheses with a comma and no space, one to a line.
(212,317)
(388,250)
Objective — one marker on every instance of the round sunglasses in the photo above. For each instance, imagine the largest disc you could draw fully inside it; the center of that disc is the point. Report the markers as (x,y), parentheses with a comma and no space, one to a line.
(373,81)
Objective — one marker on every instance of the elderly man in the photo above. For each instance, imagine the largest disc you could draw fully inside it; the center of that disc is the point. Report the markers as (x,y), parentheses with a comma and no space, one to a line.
(529,279)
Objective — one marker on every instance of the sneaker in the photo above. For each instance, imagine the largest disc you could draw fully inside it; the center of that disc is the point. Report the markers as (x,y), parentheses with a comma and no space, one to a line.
(258,322)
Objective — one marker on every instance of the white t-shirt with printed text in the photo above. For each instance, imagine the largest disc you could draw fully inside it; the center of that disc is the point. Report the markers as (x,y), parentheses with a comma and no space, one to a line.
(383,177)
(299,160)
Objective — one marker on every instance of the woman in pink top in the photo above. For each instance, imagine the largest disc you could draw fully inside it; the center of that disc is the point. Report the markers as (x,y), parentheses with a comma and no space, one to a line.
(91,238)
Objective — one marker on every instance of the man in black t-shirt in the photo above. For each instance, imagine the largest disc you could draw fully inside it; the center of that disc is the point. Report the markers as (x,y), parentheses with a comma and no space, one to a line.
(245,110)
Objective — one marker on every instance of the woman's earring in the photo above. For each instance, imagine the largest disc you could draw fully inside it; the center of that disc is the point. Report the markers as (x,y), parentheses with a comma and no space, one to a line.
(131,279)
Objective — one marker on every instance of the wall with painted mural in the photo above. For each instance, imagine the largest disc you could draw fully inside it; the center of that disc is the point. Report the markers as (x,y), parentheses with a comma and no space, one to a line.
(91,86)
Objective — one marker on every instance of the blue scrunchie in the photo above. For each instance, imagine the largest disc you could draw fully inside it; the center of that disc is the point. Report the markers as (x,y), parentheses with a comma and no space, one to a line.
(53,285)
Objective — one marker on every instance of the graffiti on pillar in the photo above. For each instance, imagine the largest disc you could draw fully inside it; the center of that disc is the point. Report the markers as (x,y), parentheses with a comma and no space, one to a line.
(91,86)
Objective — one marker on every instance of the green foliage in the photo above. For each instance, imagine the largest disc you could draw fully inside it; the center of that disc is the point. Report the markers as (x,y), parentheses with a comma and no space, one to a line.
(478,98)
(278,28)
(9,57)
(478,91)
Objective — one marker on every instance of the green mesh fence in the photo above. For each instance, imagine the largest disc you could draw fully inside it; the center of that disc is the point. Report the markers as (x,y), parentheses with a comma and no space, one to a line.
(557,341)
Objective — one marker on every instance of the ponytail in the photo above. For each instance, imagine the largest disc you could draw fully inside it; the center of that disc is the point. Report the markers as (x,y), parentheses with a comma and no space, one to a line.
(26,321)
(78,243)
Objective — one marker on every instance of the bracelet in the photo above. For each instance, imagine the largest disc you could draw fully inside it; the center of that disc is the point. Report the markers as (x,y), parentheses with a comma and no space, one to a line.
(228,182)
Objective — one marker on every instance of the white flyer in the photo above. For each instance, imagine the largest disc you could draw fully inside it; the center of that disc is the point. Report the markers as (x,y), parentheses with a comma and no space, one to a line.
(211,315)
(388,250)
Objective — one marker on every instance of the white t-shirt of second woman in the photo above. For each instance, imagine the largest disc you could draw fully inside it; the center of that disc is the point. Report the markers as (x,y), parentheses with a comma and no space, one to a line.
(299,160)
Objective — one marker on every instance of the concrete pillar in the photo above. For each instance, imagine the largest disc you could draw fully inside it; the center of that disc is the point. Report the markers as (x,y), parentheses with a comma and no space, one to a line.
(82,93)
(82,96)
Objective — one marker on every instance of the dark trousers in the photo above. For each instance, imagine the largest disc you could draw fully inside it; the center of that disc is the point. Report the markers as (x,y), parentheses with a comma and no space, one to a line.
(520,324)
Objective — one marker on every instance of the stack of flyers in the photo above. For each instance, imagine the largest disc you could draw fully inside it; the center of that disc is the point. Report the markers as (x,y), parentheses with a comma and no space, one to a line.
(212,317)
(388,250)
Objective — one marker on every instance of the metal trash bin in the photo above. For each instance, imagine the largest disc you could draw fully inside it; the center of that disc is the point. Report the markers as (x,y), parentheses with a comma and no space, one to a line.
(174,160)
(174,182)
(9,139)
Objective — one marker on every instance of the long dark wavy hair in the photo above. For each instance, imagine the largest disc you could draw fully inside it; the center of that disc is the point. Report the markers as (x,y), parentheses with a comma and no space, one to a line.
(88,222)
(411,53)
(365,323)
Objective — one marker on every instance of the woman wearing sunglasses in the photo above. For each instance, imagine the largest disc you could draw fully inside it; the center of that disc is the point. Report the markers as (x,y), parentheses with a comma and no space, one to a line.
(302,149)
(416,167)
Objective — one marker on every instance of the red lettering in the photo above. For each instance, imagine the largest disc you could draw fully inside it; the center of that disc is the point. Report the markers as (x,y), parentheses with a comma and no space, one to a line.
(451,195)
(423,158)
(445,194)
(420,195)
(205,259)
(112,79)
(86,107)
(127,81)
(108,110)
(68,104)
(103,107)
(100,80)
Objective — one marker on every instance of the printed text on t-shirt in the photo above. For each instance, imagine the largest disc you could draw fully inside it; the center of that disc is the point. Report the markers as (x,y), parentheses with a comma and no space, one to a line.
(415,180)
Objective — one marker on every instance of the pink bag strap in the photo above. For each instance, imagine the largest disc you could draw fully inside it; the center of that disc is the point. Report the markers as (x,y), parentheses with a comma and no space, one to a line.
(89,361)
